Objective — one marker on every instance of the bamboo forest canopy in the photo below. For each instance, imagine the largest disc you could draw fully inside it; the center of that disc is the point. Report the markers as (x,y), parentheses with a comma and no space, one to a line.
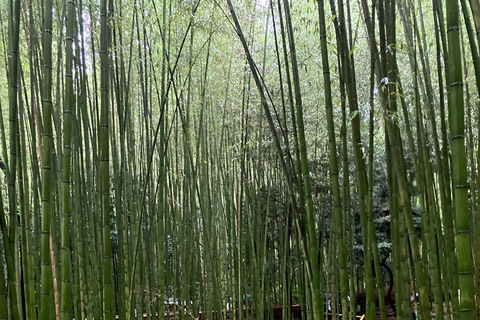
(214,159)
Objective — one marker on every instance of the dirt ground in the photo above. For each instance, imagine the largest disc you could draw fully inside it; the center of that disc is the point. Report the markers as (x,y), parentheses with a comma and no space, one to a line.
(389,311)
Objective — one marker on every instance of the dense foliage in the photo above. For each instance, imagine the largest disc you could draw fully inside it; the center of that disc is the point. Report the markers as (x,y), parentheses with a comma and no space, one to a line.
(188,157)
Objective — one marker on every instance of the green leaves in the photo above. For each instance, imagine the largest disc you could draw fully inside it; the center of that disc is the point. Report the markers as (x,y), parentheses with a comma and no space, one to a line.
(353,114)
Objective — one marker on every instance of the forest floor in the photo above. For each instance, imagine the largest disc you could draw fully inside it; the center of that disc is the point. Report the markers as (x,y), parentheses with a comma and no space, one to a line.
(391,314)
(389,311)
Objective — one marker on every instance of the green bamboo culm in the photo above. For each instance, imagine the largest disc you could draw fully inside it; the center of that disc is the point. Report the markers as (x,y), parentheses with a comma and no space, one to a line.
(311,236)
(394,139)
(3,290)
(475,6)
(348,77)
(108,290)
(12,250)
(68,120)
(4,301)
(339,239)
(48,173)
(459,164)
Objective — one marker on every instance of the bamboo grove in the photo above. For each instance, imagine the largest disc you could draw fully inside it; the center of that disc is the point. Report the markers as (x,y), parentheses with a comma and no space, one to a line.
(214,159)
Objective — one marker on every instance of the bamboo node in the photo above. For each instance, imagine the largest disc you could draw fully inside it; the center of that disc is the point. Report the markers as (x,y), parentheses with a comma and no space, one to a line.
(452,28)
(458,136)
(46,134)
(464,273)
(454,84)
